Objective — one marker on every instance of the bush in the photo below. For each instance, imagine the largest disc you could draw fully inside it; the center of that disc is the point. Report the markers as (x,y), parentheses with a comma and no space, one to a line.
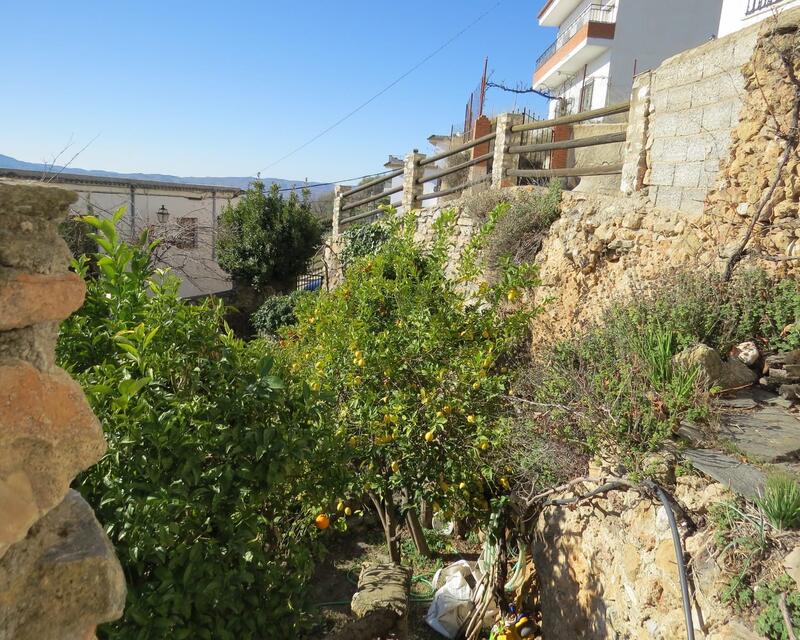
(276,312)
(409,372)
(363,240)
(209,473)
(781,501)
(266,237)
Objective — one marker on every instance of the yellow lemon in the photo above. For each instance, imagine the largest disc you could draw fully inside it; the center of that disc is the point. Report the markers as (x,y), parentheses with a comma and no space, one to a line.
(511,295)
(476,385)
(462,485)
(484,446)
(348,511)
(340,505)
(429,436)
(315,386)
(395,466)
(471,419)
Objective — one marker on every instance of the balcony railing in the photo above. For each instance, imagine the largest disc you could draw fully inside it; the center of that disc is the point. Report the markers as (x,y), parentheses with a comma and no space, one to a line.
(592,13)
(757,5)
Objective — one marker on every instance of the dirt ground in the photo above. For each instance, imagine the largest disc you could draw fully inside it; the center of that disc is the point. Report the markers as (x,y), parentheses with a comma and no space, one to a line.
(334,582)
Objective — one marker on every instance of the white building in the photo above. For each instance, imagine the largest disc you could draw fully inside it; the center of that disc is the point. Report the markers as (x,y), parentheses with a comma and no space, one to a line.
(188,228)
(601,45)
(737,14)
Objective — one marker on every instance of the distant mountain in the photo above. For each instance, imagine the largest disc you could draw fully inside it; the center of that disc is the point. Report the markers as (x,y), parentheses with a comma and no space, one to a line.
(7,162)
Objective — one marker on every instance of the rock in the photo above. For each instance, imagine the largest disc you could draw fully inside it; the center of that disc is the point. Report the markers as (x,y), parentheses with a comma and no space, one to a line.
(63,579)
(48,434)
(382,587)
(767,434)
(27,299)
(740,477)
(789,391)
(703,357)
(713,371)
(792,565)
(746,352)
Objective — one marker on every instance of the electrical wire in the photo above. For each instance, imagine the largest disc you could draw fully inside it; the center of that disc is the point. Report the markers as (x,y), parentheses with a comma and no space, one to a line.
(385,89)
(335,182)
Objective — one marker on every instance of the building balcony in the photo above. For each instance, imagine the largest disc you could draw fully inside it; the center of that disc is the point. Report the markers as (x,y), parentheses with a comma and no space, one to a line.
(582,40)
(554,12)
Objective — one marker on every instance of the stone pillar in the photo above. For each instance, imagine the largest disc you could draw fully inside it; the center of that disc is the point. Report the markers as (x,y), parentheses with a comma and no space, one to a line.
(559,158)
(503,161)
(333,267)
(411,189)
(635,148)
(59,576)
(482,127)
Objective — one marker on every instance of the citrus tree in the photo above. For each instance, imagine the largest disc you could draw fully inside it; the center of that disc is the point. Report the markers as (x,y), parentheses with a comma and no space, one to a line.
(206,488)
(407,365)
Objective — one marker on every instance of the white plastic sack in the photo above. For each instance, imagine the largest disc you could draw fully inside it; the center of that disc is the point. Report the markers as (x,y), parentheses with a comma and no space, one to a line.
(452,602)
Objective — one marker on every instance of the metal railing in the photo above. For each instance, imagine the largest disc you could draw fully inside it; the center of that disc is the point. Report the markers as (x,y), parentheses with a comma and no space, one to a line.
(592,13)
(757,5)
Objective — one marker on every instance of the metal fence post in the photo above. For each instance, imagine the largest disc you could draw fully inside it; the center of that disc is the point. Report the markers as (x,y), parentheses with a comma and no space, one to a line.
(503,160)
(412,189)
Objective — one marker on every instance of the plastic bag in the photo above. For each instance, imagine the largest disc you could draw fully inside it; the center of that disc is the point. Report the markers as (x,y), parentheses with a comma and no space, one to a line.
(452,603)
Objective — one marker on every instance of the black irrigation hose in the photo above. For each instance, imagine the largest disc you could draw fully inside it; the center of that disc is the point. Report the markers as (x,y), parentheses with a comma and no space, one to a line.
(676,541)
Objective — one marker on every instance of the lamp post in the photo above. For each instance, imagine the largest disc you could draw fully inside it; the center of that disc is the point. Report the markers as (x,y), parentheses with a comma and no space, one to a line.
(162,214)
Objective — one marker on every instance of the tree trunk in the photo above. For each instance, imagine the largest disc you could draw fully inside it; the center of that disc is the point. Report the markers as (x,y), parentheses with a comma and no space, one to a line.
(426,514)
(386,513)
(417,534)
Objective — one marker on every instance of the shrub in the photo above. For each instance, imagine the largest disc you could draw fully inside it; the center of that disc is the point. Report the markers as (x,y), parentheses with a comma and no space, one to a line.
(363,240)
(408,369)
(770,622)
(276,312)
(267,237)
(209,473)
(781,501)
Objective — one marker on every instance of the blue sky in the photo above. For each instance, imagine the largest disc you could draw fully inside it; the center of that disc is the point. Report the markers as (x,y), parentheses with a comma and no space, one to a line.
(226,88)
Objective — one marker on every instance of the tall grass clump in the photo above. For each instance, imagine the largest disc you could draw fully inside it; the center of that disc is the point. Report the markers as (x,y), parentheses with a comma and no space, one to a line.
(781,501)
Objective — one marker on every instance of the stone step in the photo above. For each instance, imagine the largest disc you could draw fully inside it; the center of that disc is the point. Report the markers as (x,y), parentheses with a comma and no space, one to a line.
(740,477)
(768,433)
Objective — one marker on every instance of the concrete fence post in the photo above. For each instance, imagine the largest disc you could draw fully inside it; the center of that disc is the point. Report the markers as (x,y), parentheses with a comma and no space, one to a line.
(503,160)
(412,190)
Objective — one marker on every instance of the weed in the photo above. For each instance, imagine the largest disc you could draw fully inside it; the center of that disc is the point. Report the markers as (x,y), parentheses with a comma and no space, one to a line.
(781,501)
(770,621)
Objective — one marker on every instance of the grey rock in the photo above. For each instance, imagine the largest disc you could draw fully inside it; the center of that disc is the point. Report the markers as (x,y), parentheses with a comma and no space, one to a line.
(62,580)
(740,477)
(730,374)
(768,434)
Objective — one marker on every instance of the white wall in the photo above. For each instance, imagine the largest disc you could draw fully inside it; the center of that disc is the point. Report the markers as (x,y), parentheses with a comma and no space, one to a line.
(650,31)
(196,268)
(597,70)
(734,15)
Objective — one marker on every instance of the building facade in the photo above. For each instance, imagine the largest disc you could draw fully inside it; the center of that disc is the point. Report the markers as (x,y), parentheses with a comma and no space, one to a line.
(738,14)
(600,46)
(187,224)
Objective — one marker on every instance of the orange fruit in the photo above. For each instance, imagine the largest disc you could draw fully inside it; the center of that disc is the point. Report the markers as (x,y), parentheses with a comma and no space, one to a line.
(322,521)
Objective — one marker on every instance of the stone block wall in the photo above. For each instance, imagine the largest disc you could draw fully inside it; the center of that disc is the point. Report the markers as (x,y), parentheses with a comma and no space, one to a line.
(59,576)
(693,103)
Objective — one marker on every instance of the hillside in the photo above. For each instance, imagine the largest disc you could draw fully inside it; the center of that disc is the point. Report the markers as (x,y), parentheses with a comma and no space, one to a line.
(240,182)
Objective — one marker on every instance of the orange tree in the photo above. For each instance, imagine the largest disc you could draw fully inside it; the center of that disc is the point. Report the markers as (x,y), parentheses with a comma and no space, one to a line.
(407,365)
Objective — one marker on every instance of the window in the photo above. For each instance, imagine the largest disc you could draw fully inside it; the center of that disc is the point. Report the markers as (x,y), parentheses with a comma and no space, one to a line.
(586,95)
(187,233)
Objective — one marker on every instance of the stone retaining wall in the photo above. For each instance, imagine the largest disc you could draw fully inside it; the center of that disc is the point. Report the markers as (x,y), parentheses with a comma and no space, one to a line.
(59,576)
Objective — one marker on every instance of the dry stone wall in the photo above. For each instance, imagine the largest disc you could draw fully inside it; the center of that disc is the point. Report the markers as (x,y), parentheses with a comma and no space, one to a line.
(59,576)
(608,569)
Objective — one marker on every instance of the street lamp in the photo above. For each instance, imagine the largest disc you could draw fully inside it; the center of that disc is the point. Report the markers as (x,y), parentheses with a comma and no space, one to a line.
(162,214)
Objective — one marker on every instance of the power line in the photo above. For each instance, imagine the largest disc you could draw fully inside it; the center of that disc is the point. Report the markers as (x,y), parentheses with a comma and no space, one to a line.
(335,182)
(386,88)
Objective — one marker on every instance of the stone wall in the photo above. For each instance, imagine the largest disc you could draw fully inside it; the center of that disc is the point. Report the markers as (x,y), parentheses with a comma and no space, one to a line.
(694,103)
(603,248)
(59,576)
(608,569)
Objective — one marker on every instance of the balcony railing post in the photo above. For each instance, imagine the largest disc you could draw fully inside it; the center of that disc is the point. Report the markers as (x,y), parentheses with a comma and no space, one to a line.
(506,138)
(412,190)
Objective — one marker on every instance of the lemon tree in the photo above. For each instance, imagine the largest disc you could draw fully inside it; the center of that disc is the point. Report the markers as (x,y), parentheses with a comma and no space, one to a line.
(407,366)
